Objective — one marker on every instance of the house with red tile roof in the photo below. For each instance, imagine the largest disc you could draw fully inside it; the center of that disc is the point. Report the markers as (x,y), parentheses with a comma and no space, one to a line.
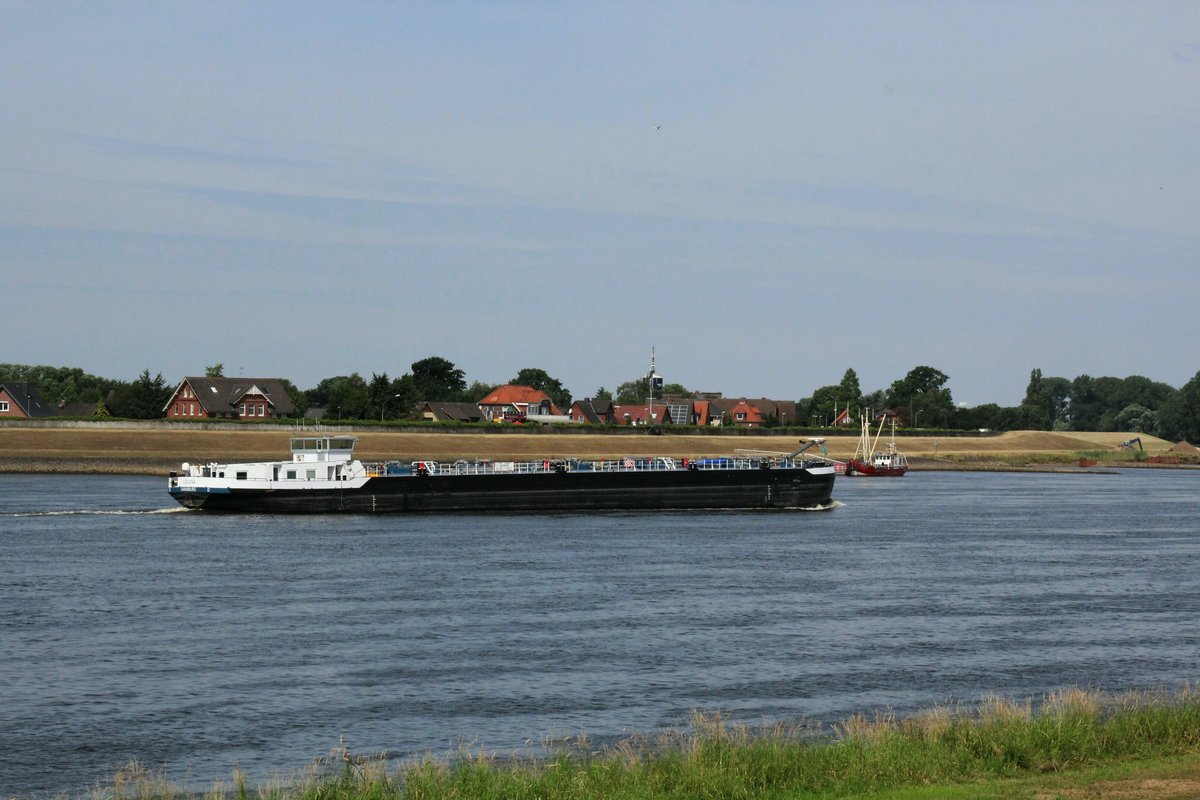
(636,414)
(745,414)
(757,411)
(688,411)
(516,401)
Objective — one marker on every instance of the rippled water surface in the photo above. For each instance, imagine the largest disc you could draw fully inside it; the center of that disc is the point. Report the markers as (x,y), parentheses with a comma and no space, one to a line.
(199,642)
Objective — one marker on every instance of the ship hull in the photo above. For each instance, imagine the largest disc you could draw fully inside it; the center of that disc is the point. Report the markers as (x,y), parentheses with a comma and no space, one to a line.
(774,488)
(856,467)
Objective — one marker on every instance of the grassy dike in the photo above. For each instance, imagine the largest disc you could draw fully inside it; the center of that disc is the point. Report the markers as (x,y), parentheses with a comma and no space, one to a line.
(1072,744)
(154,448)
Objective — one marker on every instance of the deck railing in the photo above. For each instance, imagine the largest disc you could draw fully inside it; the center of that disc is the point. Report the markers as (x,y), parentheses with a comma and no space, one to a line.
(627,464)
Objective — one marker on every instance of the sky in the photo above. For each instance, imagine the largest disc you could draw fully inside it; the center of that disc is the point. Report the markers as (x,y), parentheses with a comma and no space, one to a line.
(766,194)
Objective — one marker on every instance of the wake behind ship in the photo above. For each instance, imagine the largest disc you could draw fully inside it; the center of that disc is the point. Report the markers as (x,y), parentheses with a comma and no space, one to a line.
(324,477)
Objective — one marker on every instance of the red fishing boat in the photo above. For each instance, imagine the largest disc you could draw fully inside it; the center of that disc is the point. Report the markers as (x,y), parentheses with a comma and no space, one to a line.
(871,461)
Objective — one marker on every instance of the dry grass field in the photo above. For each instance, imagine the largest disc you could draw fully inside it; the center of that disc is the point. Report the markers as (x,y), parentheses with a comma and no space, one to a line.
(156,450)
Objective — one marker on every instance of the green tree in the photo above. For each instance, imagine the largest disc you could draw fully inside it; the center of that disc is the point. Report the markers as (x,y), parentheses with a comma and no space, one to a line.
(343,397)
(215,371)
(1141,391)
(988,416)
(436,378)
(539,379)
(1035,407)
(825,404)
(1085,404)
(299,399)
(1095,403)
(875,401)
(391,399)
(319,394)
(1137,419)
(406,397)
(61,384)
(1179,416)
(633,392)
(601,397)
(379,392)
(923,393)
(144,398)
(851,391)
(478,390)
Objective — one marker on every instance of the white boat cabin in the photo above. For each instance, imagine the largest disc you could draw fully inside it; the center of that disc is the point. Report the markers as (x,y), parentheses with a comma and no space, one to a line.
(316,461)
(323,448)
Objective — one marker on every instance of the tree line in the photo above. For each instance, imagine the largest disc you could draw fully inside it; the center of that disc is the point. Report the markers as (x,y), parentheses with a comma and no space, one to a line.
(921,399)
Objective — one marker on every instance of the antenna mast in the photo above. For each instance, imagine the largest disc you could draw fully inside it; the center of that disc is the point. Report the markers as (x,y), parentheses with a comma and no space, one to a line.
(650,398)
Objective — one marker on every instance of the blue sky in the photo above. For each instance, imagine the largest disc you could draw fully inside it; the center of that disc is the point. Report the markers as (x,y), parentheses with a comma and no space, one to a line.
(767,193)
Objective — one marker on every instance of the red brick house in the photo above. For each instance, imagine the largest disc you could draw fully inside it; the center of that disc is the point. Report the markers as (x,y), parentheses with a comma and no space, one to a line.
(22,400)
(229,398)
(756,412)
(745,415)
(515,401)
(588,411)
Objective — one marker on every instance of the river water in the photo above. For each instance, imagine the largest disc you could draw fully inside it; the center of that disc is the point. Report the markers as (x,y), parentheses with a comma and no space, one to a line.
(196,643)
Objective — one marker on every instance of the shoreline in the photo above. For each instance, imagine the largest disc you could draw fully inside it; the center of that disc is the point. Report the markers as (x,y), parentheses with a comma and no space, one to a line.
(154,449)
(161,467)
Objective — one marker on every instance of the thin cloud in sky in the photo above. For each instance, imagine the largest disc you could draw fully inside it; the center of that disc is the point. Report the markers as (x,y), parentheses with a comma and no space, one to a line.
(768,193)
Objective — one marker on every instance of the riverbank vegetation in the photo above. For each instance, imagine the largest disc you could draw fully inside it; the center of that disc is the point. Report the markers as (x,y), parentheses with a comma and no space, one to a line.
(920,400)
(1070,744)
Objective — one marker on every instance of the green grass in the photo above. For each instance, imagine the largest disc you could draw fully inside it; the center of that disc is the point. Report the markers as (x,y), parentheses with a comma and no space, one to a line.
(998,748)
(1106,458)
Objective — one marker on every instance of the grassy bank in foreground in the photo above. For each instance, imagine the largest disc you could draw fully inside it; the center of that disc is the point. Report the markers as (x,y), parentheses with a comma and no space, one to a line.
(1071,744)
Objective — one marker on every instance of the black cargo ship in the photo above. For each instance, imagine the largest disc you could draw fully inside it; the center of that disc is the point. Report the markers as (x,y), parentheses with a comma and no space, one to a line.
(323,477)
